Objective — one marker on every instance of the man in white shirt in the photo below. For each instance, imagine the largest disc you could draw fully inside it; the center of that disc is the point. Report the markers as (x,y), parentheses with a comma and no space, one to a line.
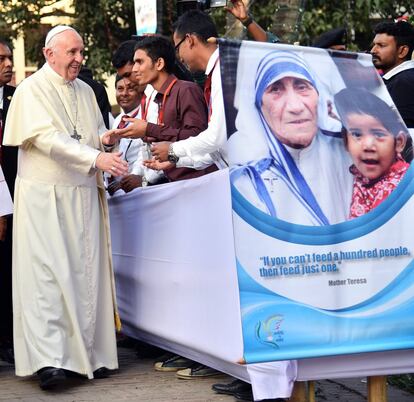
(190,39)
(269,380)
(131,98)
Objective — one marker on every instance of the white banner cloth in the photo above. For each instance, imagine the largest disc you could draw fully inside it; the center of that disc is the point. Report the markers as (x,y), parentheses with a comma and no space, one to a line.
(176,279)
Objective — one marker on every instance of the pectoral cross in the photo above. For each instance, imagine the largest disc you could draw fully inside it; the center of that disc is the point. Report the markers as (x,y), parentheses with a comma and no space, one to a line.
(75,135)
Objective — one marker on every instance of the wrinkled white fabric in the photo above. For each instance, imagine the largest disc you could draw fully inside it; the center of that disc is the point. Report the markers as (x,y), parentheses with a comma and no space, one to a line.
(62,269)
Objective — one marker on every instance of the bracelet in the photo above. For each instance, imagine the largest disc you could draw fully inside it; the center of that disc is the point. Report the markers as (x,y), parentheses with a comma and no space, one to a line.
(247,21)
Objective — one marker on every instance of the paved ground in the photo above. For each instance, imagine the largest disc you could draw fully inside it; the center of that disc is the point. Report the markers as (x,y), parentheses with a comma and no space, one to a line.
(137,381)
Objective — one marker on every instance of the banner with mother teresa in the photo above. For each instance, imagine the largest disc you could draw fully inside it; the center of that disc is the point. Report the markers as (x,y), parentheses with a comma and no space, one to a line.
(322,202)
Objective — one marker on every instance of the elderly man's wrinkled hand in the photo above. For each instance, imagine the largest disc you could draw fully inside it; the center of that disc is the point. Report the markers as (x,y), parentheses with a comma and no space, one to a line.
(159,151)
(112,163)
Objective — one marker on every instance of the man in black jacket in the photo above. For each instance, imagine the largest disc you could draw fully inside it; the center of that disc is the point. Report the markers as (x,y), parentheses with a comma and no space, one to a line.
(8,162)
(85,74)
(392,51)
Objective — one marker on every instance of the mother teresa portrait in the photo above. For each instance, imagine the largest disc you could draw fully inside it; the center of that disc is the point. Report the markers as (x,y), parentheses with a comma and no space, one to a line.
(283,159)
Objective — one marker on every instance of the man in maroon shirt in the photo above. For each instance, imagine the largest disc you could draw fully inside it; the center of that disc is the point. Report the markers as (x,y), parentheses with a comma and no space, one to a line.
(180,110)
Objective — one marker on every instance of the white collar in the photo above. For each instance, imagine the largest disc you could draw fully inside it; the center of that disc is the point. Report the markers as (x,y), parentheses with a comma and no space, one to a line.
(1,97)
(149,90)
(130,112)
(53,76)
(212,61)
(406,65)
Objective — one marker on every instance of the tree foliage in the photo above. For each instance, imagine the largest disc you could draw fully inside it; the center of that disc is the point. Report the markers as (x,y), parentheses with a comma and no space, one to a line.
(358,16)
(105,23)
(318,16)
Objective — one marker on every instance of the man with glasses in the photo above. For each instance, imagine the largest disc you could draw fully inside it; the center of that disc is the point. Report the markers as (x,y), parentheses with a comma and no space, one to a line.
(190,38)
(269,380)
(180,108)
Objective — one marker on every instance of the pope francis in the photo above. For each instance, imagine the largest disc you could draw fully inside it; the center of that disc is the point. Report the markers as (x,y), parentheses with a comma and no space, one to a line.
(63,290)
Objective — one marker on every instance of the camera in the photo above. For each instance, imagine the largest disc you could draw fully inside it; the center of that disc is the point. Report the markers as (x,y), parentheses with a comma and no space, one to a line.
(185,5)
(217,3)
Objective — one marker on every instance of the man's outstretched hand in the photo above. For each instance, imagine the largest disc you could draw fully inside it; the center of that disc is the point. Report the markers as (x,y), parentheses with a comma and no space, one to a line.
(109,138)
(112,163)
(135,129)
(159,151)
(157,165)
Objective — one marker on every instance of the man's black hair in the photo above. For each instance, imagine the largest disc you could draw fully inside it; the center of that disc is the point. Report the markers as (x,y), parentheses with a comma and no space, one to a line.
(402,31)
(196,22)
(124,54)
(118,78)
(158,47)
(5,43)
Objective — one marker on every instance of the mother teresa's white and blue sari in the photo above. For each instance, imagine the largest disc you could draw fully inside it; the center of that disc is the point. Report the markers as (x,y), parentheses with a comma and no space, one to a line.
(309,186)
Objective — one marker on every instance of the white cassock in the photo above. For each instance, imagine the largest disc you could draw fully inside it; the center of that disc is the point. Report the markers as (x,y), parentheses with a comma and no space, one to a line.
(63,290)
(6,204)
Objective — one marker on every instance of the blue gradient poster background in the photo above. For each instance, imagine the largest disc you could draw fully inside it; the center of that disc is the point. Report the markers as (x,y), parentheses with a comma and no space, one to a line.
(328,286)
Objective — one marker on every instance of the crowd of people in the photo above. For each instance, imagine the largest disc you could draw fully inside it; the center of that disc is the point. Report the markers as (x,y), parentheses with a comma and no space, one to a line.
(70,159)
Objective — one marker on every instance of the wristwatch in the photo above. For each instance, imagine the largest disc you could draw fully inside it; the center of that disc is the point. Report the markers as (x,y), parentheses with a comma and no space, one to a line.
(246,22)
(172,157)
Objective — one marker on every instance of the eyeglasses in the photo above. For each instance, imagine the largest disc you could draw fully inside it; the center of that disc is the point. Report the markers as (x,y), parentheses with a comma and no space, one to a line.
(177,46)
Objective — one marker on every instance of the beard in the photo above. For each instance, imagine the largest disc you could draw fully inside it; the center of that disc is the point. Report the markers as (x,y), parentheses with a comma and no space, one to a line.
(384,65)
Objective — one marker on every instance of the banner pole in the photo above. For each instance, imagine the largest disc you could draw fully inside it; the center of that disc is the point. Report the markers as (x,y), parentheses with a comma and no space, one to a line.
(311,391)
(299,392)
(377,388)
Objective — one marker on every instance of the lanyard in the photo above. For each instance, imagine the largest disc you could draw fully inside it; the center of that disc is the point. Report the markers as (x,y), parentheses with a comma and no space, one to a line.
(207,87)
(145,105)
(160,120)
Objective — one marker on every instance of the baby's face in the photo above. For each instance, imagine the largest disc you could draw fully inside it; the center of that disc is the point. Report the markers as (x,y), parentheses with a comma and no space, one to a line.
(372,147)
